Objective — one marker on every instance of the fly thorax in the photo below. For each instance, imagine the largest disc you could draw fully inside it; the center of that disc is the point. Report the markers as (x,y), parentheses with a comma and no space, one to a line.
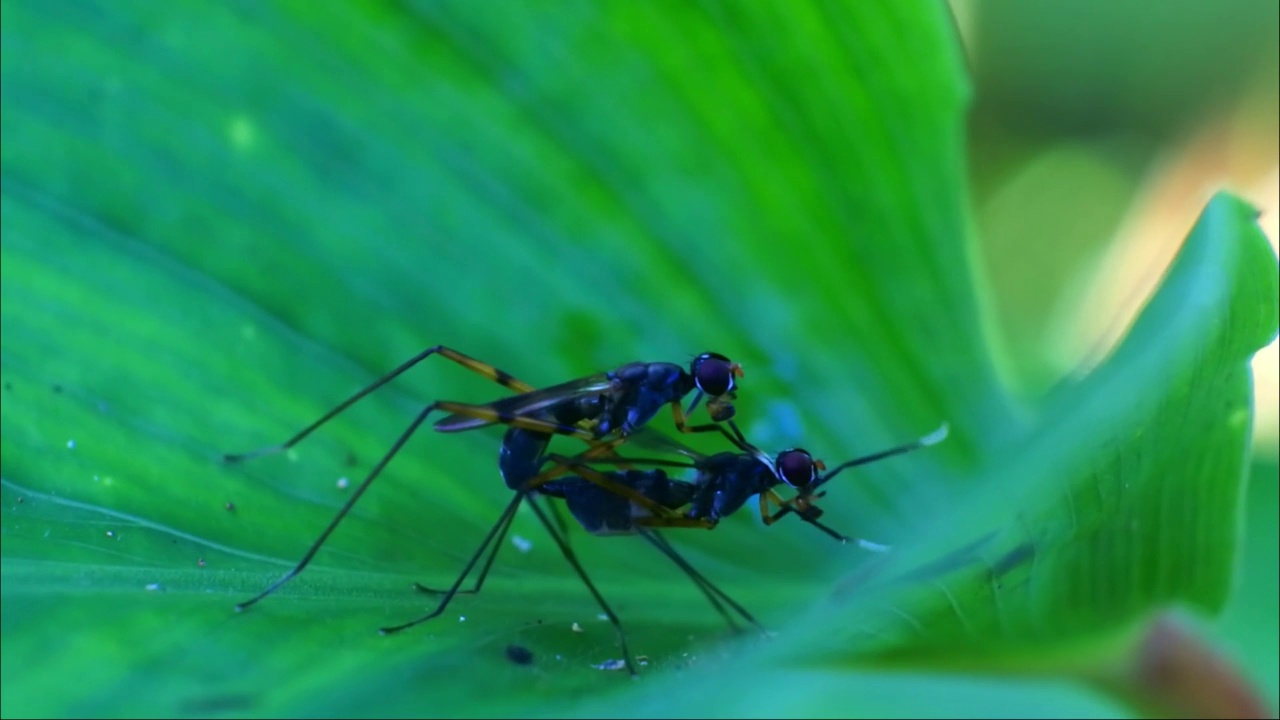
(659,384)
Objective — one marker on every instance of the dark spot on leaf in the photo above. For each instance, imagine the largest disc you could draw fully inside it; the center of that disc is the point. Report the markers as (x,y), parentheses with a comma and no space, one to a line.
(1017,557)
(57,388)
(230,506)
(519,654)
(8,386)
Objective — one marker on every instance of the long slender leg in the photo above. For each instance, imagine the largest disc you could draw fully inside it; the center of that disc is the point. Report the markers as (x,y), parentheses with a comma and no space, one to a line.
(494,547)
(558,516)
(484,369)
(801,503)
(373,474)
(810,513)
(484,412)
(682,425)
(800,500)
(713,593)
(582,574)
(386,458)
(504,521)
(346,508)
(765,497)
(735,437)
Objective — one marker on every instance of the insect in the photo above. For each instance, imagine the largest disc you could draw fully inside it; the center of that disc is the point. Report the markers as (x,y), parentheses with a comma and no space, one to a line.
(727,480)
(601,409)
(724,483)
(520,461)
(603,512)
(599,511)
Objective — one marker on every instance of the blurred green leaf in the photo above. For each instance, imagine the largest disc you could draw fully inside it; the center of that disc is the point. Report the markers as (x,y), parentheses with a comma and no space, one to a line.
(218,224)
(1248,626)
(1098,64)
(1099,516)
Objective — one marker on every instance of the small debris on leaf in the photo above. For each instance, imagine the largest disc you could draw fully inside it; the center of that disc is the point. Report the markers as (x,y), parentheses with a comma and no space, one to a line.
(152,587)
(230,506)
(71,444)
(577,628)
(343,482)
(519,655)
(611,665)
(521,544)
(200,562)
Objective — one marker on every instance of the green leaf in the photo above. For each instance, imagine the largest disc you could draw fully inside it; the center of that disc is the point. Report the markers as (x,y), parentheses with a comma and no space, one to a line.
(218,222)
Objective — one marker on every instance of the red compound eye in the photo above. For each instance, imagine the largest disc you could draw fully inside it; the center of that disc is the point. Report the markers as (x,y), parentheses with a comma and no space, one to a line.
(796,468)
(713,373)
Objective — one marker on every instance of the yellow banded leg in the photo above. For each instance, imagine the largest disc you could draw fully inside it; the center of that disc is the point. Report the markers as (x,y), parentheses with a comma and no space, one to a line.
(484,412)
(483,369)
(677,413)
(598,478)
(765,515)
(562,469)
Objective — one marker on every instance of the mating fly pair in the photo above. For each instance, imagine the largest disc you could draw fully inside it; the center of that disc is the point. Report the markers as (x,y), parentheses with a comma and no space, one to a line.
(603,410)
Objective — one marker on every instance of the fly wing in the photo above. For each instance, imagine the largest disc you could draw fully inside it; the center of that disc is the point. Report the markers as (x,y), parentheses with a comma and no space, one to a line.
(649,439)
(530,404)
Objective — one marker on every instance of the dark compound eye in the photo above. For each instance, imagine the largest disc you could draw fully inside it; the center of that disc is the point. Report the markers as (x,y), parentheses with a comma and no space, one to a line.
(796,468)
(714,374)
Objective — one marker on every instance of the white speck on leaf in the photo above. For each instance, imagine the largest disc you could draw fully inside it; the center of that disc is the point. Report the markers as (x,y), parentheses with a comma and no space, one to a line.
(521,544)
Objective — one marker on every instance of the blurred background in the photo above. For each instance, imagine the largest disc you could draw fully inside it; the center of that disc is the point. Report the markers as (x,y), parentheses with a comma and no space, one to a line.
(1098,132)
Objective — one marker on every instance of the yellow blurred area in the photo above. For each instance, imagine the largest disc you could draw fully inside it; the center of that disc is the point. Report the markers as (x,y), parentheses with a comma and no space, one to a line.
(1099,132)
(1166,207)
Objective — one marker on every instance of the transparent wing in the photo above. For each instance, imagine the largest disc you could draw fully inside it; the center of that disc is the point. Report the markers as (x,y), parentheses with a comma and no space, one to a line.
(646,438)
(530,404)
